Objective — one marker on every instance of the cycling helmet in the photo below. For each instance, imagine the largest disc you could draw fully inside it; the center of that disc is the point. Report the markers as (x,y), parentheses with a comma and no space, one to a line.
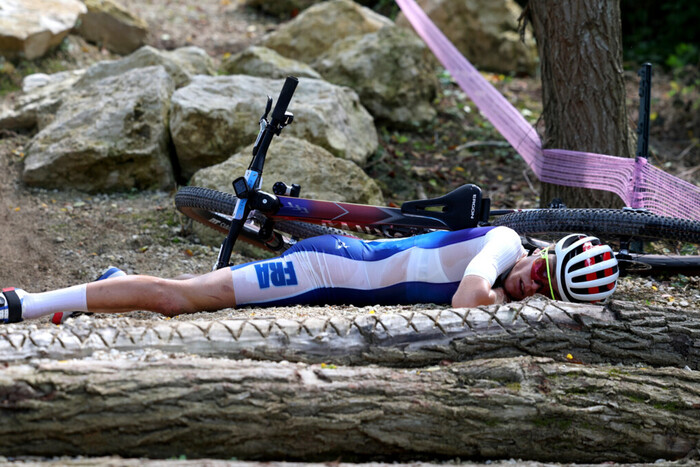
(586,269)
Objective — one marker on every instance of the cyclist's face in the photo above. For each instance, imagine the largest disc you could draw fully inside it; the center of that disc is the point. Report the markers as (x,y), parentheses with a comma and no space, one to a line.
(529,276)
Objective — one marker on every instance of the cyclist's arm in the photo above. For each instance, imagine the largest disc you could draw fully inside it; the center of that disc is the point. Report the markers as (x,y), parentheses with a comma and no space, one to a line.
(500,252)
(475,291)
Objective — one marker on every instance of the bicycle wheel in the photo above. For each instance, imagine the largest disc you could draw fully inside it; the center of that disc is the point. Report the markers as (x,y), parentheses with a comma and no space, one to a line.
(613,225)
(604,223)
(213,209)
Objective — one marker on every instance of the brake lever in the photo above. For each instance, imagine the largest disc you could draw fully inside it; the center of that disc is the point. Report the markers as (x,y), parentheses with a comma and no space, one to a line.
(268,108)
(263,125)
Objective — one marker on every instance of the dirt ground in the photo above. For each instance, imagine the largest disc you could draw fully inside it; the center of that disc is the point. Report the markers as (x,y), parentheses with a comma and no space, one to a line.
(58,238)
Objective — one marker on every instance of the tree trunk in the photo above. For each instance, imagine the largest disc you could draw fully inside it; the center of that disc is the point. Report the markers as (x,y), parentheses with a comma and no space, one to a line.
(624,332)
(583,90)
(156,405)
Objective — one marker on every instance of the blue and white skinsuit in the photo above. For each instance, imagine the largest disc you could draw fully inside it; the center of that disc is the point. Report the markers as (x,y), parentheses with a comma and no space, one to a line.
(334,269)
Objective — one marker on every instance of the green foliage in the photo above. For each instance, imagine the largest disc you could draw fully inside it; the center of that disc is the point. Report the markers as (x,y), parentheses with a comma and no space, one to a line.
(661,32)
(684,54)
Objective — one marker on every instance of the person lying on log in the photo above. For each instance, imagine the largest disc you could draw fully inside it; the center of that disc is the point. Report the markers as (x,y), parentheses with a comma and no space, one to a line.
(465,268)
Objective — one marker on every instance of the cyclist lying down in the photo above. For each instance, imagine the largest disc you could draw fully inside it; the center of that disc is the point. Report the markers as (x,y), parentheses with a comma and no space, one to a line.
(465,268)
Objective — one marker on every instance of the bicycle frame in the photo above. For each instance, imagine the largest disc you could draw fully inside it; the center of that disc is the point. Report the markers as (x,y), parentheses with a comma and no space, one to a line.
(460,209)
(379,221)
(374,220)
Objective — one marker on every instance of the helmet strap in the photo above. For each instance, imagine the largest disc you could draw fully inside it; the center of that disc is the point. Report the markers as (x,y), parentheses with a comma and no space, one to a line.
(545,255)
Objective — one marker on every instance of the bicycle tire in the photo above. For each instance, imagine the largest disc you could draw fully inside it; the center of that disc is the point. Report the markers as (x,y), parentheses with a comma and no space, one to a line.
(603,223)
(643,264)
(212,208)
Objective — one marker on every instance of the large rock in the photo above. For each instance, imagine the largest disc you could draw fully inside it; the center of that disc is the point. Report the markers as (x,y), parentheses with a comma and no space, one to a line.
(111,135)
(485,31)
(292,160)
(214,117)
(181,64)
(30,28)
(41,97)
(315,30)
(112,26)
(392,70)
(264,62)
(42,94)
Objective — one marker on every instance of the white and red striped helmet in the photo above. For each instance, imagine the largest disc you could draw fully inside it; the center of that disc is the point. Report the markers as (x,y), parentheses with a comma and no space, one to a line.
(587,270)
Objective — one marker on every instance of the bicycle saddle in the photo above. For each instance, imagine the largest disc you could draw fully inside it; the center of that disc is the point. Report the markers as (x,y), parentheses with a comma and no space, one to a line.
(461,208)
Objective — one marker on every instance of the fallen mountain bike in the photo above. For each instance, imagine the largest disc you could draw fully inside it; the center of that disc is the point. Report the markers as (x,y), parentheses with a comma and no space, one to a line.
(275,221)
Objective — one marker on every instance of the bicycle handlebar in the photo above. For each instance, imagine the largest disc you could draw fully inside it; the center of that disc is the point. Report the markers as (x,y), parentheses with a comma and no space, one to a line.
(278,121)
(285,97)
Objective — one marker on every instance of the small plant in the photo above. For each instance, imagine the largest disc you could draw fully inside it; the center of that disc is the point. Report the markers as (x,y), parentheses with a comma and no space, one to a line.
(684,54)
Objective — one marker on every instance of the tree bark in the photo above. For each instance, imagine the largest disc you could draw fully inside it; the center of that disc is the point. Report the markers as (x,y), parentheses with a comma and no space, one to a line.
(622,332)
(527,407)
(583,90)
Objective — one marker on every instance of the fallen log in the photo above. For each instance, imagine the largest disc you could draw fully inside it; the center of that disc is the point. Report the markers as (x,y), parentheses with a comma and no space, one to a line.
(528,407)
(622,332)
(121,462)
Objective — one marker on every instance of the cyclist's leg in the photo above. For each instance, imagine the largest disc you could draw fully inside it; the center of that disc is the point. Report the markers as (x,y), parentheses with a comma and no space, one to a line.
(170,297)
(212,291)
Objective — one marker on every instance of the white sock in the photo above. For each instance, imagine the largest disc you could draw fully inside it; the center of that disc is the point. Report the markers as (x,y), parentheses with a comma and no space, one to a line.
(36,305)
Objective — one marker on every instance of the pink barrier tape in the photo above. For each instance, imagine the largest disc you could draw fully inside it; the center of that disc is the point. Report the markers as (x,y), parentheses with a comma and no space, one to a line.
(587,170)
(665,194)
(637,183)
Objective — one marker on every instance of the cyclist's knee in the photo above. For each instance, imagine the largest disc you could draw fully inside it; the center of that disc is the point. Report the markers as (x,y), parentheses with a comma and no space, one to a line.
(169,298)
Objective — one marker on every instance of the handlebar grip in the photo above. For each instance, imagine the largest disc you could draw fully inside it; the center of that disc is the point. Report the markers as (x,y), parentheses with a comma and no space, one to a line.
(290,85)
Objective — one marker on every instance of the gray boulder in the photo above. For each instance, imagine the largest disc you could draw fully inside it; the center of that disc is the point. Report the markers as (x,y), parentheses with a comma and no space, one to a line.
(30,28)
(315,30)
(350,45)
(41,97)
(110,135)
(392,70)
(43,94)
(181,64)
(266,63)
(112,26)
(485,31)
(292,160)
(214,117)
